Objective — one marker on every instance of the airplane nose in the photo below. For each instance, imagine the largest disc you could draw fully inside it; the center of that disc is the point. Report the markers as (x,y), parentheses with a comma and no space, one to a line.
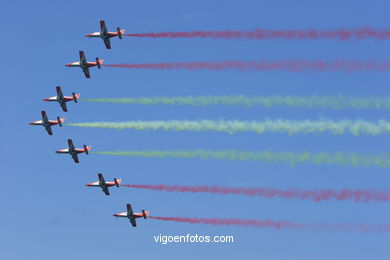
(67,65)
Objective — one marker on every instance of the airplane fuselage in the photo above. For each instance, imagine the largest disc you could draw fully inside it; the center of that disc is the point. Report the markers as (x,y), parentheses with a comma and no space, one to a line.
(57,99)
(102,35)
(62,100)
(45,124)
(125,215)
(122,215)
(96,184)
(73,153)
(86,65)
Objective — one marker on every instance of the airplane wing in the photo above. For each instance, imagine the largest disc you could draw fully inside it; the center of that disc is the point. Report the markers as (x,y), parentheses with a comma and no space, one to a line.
(133,223)
(59,93)
(130,211)
(107,42)
(83,60)
(48,129)
(86,73)
(63,106)
(103,27)
(106,191)
(102,181)
(45,120)
(60,99)
(75,158)
(130,214)
(71,146)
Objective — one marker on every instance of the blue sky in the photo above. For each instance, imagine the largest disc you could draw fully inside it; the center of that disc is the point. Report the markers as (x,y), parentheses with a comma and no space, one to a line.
(48,212)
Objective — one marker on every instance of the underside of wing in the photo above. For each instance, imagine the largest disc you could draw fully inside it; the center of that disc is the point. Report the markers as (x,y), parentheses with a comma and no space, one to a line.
(59,92)
(83,60)
(71,145)
(107,42)
(103,27)
(49,131)
(75,158)
(106,191)
(63,106)
(86,73)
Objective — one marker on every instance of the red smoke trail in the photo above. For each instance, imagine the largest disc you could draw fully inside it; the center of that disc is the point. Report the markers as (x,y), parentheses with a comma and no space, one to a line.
(290,66)
(236,222)
(262,34)
(316,195)
(281,224)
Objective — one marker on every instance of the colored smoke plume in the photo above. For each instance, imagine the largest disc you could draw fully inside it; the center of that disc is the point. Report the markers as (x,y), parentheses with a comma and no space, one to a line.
(291,158)
(359,227)
(264,34)
(315,101)
(316,195)
(289,66)
(280,126)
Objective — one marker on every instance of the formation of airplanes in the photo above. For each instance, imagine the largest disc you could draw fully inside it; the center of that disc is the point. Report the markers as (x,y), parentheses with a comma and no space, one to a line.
(105,35)
(129,214)
(85,65)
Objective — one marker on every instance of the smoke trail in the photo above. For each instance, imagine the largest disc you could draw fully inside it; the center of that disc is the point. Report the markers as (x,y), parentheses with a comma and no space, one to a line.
(263,34)
(316,195)
(360,227)
(342,159)
(289,66)
(328,102)
(357,127)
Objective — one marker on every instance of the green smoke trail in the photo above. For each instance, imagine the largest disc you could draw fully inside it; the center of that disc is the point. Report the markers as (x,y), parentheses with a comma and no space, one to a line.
(315,101)
(356,127)
(343,159)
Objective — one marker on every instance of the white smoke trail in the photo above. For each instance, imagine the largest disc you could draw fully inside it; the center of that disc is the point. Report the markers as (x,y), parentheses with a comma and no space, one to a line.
(327,102)
(342,159)
(291,127)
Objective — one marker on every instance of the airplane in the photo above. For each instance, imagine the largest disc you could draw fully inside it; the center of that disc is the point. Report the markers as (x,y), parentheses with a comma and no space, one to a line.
(60,98)
(106,35)
(48,123)
(131,215)
(74,151)
(85,65)
(103,184)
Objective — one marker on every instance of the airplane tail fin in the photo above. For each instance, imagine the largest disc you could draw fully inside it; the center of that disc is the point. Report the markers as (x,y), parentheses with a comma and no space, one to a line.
(117,181)
(98,62)
(120,32)
(145,213)
(60,120)
(75,97)
(86,149)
